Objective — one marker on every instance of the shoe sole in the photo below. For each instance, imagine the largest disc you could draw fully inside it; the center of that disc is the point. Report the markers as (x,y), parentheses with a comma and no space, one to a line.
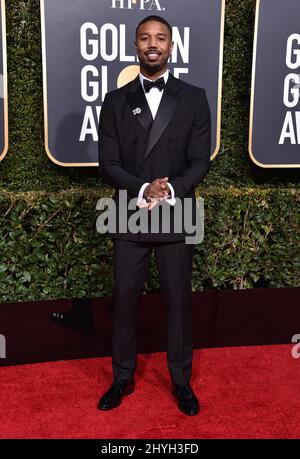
(188,413)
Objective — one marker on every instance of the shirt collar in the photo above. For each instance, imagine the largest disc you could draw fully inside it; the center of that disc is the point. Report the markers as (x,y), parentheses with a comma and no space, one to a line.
(164,75)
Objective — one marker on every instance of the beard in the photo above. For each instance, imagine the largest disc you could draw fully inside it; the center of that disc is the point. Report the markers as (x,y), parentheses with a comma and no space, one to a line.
(152,67)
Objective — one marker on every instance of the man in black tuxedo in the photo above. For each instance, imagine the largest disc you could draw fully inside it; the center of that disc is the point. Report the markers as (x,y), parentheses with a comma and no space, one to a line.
(155,144)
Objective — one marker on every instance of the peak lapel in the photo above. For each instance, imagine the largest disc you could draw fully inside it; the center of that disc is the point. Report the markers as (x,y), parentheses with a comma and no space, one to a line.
(164,114)
(136,99)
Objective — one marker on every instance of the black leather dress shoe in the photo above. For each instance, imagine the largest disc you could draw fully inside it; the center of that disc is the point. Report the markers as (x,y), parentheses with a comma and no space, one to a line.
(187,401)
(113,397)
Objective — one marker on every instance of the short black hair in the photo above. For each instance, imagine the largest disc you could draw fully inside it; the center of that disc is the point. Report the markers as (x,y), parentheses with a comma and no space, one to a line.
(153,18)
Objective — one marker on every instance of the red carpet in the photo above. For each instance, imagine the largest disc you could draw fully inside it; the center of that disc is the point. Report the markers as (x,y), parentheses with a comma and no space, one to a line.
(246,392)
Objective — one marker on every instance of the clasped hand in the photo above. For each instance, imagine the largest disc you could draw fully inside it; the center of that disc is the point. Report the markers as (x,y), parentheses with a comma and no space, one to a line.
(156,191)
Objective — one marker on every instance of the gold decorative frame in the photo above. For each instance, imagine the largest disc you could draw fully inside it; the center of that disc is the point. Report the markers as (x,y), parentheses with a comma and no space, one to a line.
(5,92)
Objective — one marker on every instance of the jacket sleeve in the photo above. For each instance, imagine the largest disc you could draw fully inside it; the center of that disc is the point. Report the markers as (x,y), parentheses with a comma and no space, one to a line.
(110,165)
(198,150)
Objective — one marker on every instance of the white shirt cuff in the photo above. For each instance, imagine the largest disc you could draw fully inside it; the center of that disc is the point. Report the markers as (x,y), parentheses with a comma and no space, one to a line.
(141,200)
(172,200)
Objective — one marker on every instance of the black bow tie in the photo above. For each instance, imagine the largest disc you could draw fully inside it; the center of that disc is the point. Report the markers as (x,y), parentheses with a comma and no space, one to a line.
(160,84)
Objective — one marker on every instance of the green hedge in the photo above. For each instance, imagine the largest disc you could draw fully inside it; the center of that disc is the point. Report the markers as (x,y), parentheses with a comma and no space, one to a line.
(49,245)
(50,248)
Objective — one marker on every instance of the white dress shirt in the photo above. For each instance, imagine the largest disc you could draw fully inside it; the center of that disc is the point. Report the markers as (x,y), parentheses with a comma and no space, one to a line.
(154,98)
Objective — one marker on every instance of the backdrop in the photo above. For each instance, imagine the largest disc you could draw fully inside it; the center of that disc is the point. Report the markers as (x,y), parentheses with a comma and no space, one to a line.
(88,49)
(274,139)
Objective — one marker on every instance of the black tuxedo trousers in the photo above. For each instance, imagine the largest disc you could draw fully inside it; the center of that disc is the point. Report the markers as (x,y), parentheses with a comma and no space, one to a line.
(174,262)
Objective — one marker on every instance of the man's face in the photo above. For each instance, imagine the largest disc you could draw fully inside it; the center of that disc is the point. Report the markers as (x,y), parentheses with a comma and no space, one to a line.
(154,46)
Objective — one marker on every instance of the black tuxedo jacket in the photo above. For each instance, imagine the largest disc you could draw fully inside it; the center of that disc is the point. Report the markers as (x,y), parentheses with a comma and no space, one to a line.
(134,148)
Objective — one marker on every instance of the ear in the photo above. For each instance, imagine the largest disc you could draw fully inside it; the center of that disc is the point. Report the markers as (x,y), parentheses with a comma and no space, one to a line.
(171,49)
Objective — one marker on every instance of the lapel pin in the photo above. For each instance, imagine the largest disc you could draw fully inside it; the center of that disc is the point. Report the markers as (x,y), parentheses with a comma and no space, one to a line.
(137,111)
